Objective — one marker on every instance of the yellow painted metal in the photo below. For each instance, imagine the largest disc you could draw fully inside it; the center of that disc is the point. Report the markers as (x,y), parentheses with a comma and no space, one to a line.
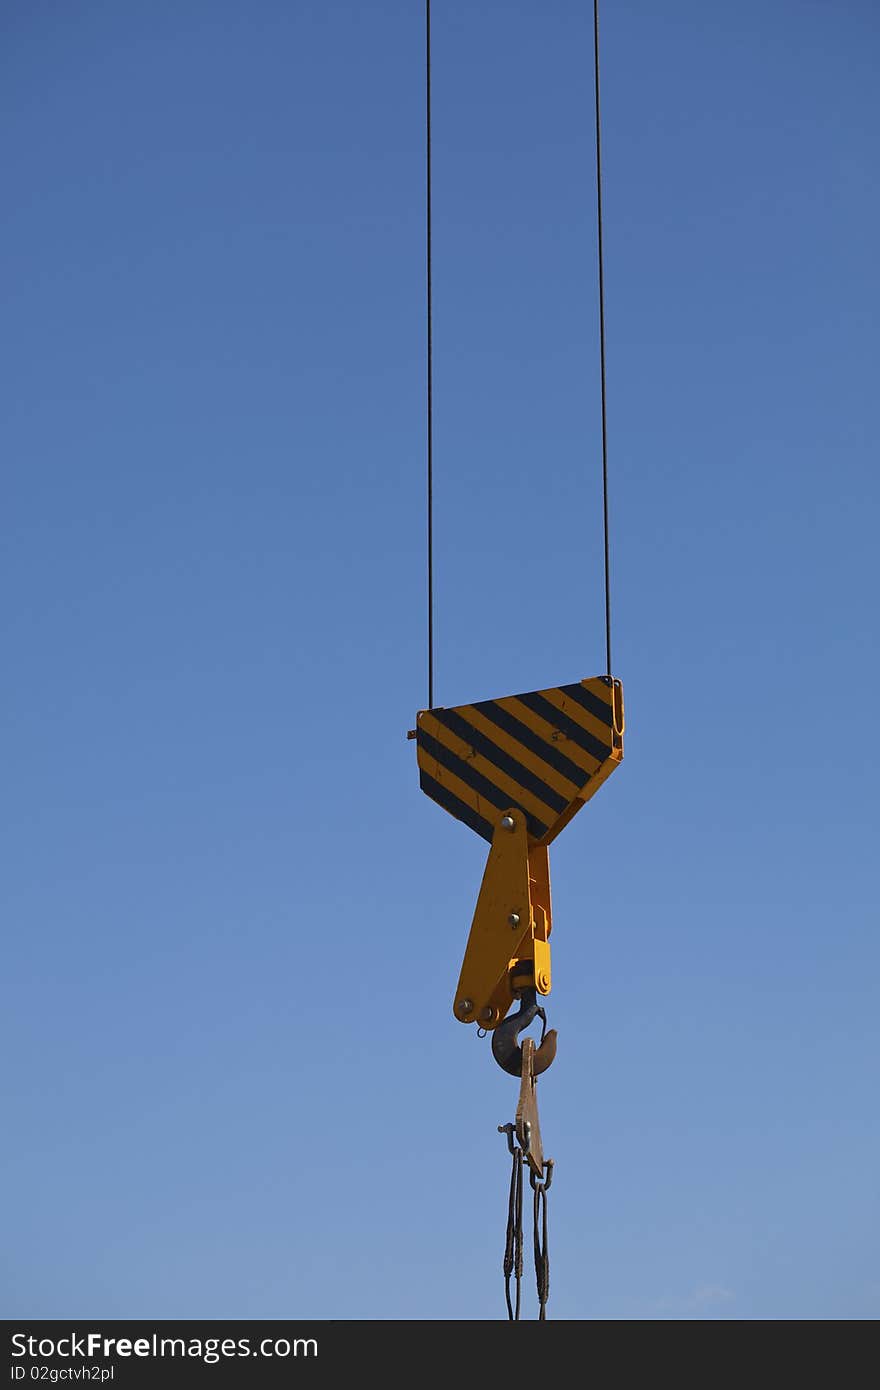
(509,943)
(546,752)
(516,770)
(542,921)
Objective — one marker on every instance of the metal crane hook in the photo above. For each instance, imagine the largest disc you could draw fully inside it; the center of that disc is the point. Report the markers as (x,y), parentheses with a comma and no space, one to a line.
(506,1049)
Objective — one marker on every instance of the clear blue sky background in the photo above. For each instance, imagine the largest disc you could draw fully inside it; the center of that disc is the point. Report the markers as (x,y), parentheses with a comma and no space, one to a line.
(232,923)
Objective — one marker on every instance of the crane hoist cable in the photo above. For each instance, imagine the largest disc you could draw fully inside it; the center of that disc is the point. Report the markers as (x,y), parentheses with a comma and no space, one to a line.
(517,769)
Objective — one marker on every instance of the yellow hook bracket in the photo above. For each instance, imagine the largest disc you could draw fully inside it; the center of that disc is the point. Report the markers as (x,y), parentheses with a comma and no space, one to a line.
(516,770)
(509,942)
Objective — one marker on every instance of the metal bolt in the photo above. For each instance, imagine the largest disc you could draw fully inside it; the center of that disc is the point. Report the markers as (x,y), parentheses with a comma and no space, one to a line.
(488,1015)
(543,980)
(508,822)
(513,919)
(465,1006)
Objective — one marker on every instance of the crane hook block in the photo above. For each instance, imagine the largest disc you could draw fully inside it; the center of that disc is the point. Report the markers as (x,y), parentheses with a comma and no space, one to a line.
(516,770)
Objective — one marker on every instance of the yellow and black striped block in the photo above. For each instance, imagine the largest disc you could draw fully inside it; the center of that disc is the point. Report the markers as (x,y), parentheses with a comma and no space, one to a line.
(546,752)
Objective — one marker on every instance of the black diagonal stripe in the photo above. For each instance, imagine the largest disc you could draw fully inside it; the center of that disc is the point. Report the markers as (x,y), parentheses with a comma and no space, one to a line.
(590,744)
(467,773)
(493,754)
(547,752)
(594,703)
(450,802)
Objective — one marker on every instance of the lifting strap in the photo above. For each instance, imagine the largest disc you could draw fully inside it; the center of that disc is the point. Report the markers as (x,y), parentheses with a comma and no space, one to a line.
(525,1145)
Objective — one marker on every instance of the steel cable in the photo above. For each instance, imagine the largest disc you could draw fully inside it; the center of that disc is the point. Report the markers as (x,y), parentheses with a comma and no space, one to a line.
(601,259)
(430,361)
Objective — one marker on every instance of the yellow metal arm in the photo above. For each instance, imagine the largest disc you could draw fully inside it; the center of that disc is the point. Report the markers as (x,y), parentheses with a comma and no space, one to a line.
(509,943)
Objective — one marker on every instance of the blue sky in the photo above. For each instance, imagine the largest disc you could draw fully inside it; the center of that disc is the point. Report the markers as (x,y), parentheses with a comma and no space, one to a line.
(232,923)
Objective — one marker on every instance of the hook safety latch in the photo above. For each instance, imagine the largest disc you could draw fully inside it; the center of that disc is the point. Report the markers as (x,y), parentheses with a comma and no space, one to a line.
(506,1048)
